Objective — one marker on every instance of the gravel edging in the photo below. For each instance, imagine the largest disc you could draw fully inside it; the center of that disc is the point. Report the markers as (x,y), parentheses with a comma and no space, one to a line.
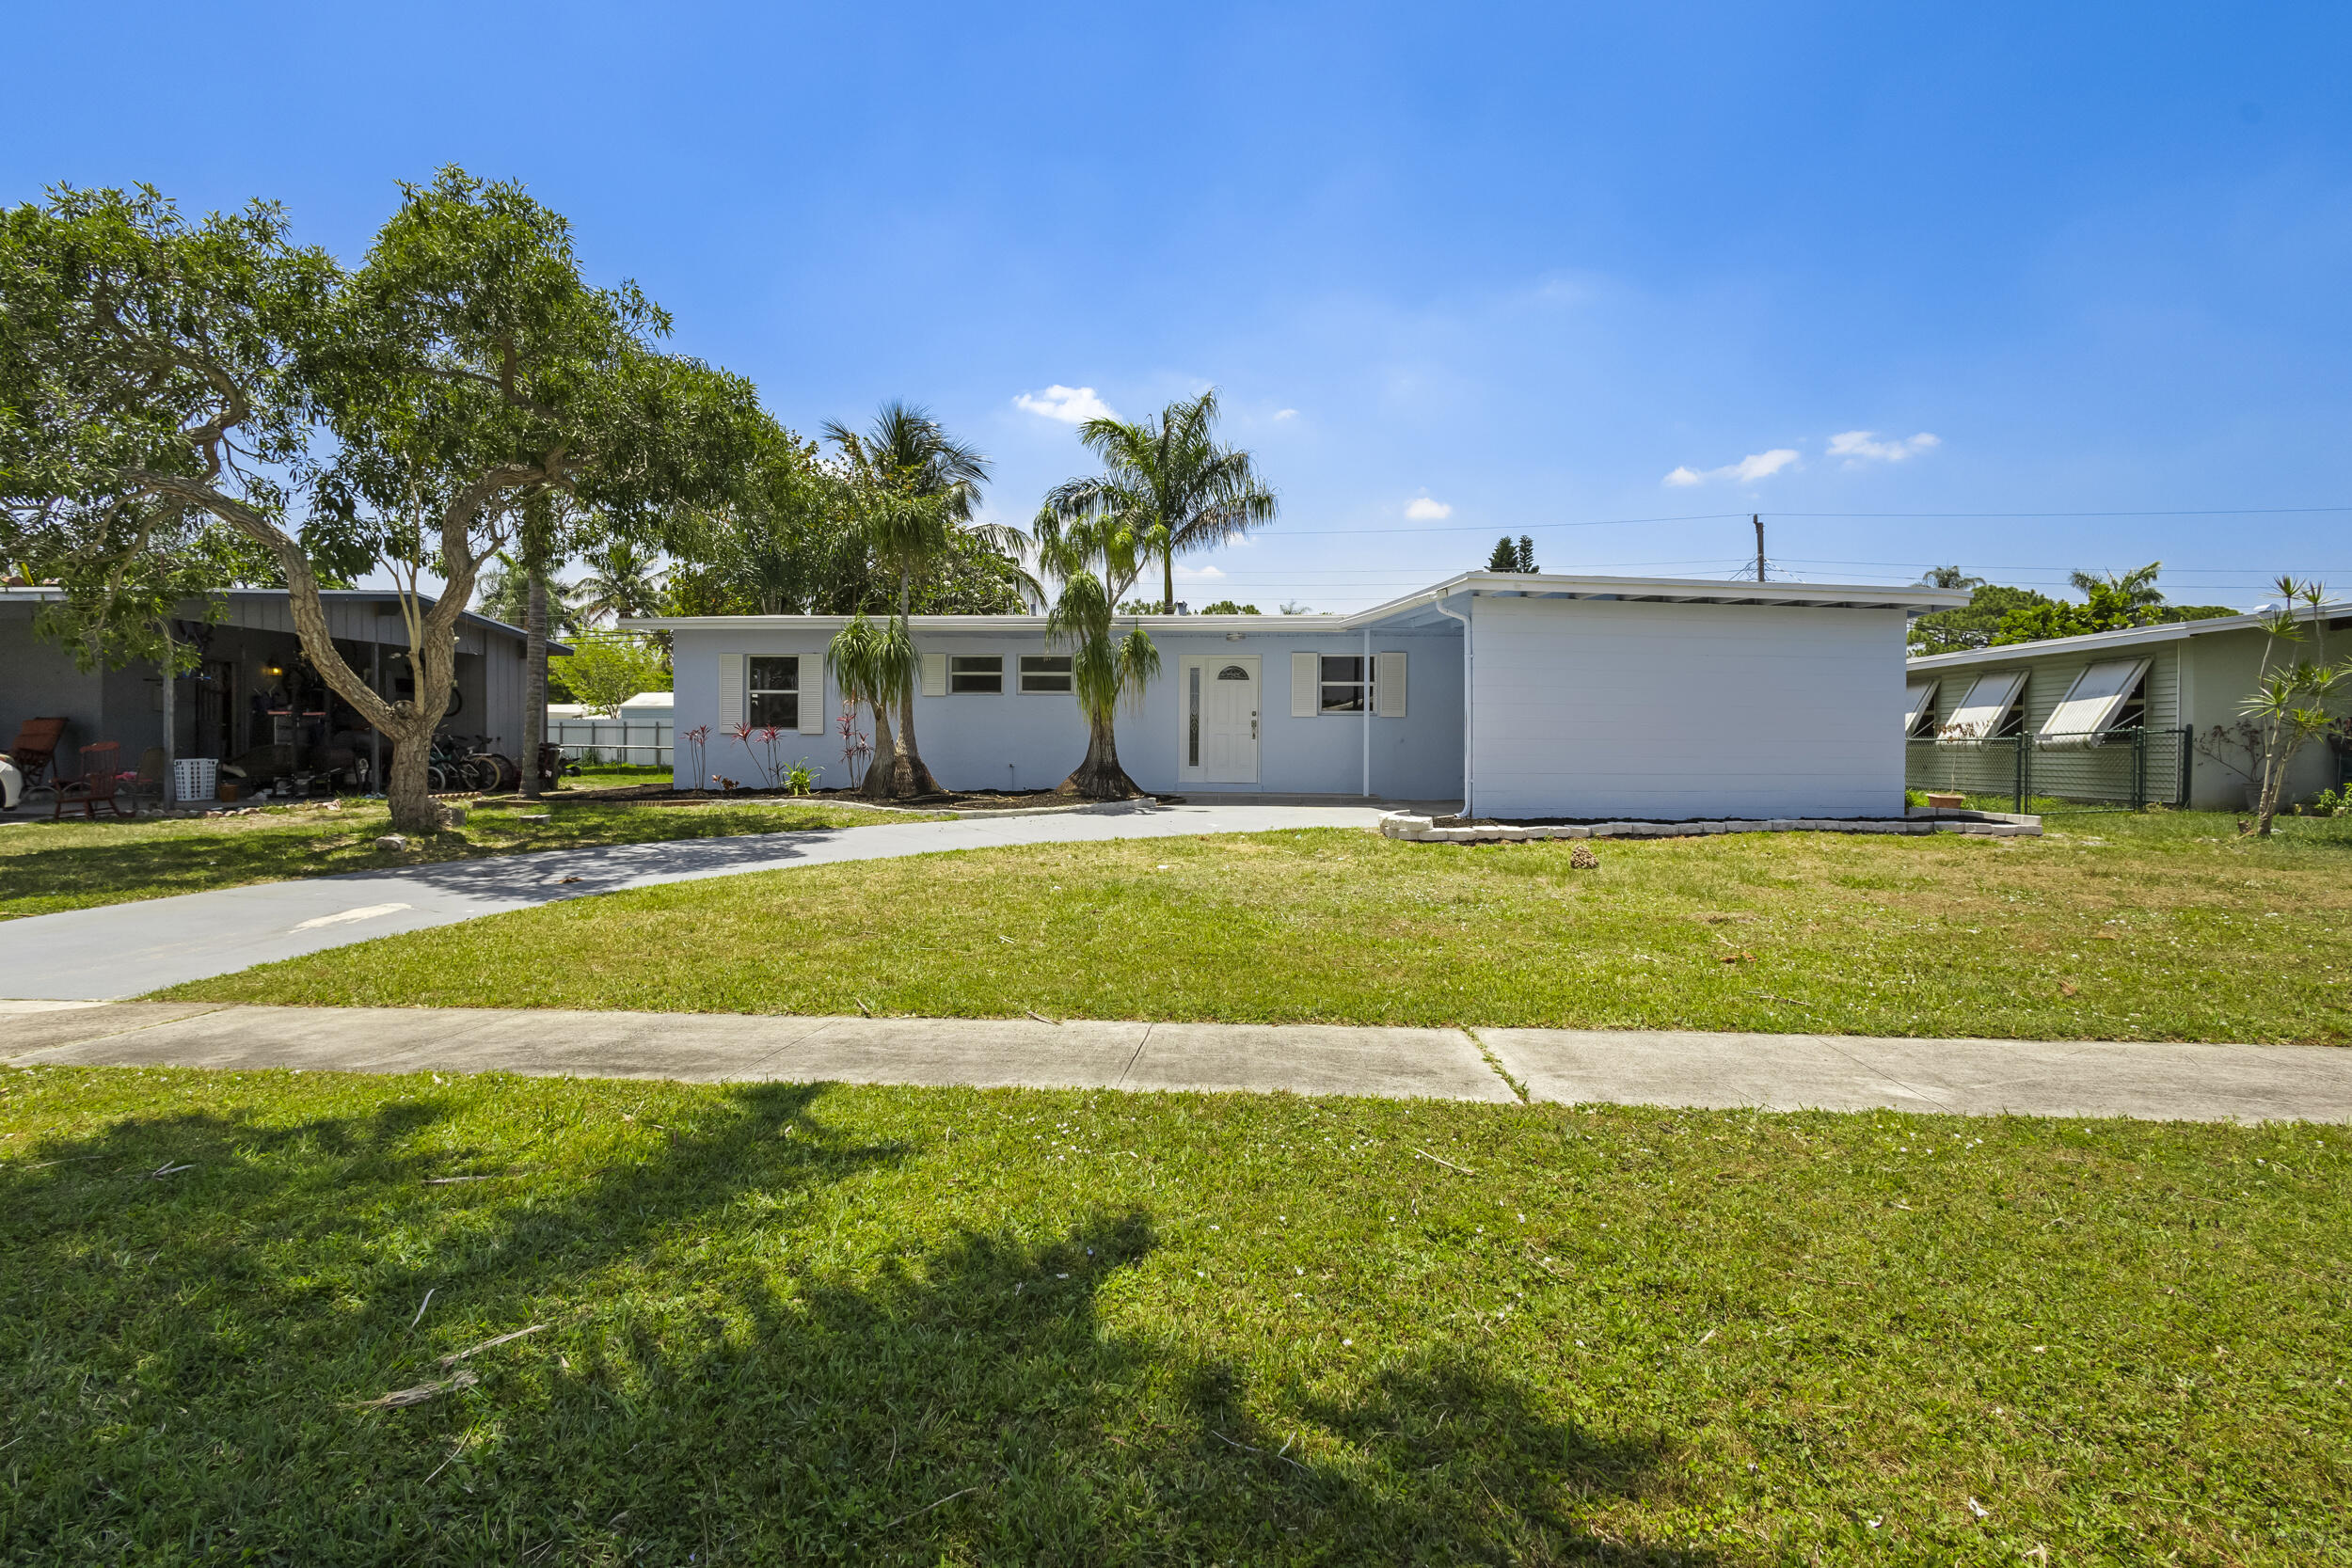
(1424,829)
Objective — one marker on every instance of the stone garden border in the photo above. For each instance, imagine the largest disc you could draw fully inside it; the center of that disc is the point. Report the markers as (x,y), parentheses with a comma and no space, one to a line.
(1982,824)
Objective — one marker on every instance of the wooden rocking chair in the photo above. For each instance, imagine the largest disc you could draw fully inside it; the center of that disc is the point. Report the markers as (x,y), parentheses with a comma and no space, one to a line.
(99,781)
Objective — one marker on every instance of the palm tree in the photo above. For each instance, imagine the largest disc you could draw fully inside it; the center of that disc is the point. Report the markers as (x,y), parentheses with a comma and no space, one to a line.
(915,490)
(2134,590)
(625,580)
(1181,491)
(1096,554)
(1949,577)
(873,664)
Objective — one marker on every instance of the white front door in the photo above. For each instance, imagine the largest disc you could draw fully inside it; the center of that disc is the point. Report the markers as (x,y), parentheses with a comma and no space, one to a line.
(1217,714)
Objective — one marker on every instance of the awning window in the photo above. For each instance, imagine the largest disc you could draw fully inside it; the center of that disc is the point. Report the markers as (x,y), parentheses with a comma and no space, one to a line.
(1984,712)
(1918,701)
(2092,702)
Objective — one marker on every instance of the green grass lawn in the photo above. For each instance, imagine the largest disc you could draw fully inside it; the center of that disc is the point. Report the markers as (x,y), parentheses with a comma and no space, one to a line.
(785,1323)
(46,865)
(2116,927)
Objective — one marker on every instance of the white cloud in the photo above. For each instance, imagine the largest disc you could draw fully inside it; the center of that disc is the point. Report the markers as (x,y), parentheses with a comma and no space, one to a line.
(1070,404)
(1286,412)
(1858,447)
(1197,574)
(1756,466)
(1421,509)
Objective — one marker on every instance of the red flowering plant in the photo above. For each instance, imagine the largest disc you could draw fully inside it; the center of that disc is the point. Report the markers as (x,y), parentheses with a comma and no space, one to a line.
(694,739)
(855,747)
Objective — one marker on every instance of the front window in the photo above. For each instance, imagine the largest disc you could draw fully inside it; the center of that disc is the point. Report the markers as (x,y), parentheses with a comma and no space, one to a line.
(776,692)
(1346,685)
(975,672)
(1045,673)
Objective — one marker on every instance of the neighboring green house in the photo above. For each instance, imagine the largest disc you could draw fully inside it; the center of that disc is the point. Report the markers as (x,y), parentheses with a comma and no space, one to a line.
(2148,714)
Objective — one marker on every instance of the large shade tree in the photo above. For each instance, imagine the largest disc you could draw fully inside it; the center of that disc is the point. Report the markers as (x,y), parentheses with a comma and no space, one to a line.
(1179,489)
(213,373)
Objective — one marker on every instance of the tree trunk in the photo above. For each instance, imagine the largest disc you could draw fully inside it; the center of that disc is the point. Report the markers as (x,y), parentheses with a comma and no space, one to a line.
(535,675)
(169,795)
(408,787)
(1100,776)
(1167,580)
(876,784)
(911,778)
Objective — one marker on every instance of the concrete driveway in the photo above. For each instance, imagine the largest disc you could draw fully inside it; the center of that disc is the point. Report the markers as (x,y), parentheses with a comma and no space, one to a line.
(130,949)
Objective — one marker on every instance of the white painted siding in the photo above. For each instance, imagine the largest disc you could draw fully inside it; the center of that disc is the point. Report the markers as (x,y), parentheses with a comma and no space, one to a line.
(1598,709)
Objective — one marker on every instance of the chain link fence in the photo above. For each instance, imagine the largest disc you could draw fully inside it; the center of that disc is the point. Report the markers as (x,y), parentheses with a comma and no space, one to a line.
(2118,771)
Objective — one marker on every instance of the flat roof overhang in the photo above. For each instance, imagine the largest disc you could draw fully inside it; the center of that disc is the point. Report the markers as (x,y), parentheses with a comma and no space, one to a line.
(1414,609)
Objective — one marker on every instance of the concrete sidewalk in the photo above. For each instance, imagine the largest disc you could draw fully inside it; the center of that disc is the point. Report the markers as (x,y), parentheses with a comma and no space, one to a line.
(2183,1083)
(120,950)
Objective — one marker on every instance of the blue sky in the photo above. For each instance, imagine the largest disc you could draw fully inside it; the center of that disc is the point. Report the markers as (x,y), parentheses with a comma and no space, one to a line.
(1457,271)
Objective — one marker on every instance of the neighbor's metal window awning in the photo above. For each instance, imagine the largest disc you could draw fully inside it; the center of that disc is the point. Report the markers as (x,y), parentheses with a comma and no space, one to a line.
(1984,710)
(1918,699)
(2092,704)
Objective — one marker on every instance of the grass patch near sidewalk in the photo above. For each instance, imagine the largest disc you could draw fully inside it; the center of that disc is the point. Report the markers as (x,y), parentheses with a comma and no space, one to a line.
(46,866)
(777,1322)
(2121,927)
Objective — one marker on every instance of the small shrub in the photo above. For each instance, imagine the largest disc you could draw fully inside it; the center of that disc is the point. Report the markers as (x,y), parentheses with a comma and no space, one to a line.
(801,777)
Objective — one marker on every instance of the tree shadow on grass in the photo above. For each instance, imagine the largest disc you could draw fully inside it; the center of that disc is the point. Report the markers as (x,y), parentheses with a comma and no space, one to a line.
(724,1375)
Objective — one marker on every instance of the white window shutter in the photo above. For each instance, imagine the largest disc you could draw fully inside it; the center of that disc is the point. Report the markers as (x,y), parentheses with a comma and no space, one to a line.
(812,700)
(1389,685)
(1305,669)
(934,674)
(730,690)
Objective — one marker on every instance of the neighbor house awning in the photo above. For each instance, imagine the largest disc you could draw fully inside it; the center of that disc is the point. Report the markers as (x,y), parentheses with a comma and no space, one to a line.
(2093,704)
(1916,700)
(1980,713)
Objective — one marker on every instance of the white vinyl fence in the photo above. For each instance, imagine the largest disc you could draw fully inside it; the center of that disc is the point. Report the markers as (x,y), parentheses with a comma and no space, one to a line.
(627,738)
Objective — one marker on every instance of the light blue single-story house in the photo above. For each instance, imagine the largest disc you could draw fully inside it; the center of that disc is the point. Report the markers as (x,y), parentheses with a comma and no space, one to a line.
(1512,696)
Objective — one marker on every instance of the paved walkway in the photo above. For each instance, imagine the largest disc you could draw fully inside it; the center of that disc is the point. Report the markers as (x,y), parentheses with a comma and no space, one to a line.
(130,949)
(2182,1082)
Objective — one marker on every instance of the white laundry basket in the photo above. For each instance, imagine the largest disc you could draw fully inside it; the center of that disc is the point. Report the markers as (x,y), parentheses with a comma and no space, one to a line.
(195,778)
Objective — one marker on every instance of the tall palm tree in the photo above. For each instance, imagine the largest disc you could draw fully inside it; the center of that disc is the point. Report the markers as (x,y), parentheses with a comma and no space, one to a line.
(624,580)
(916,488)
(1180,489)
(1096,555)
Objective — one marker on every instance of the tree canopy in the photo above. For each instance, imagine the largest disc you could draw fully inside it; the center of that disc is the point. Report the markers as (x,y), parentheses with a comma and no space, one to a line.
(162,377)
(1996,614)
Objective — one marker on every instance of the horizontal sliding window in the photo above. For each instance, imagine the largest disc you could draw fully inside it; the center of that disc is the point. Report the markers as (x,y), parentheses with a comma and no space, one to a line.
(1045,673)
(975,672)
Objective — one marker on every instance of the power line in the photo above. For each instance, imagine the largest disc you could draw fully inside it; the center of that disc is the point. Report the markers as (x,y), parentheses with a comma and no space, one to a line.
(2213,512)
(1734,516)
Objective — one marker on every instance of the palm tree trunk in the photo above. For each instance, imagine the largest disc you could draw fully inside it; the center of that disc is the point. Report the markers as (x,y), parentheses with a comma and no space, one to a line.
(1168,579)
(908,778)
(1100,776)
(535,674)
(879,768)
(913,778)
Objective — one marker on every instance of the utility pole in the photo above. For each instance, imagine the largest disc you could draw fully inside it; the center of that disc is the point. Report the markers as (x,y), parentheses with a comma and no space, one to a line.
(1757,518)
